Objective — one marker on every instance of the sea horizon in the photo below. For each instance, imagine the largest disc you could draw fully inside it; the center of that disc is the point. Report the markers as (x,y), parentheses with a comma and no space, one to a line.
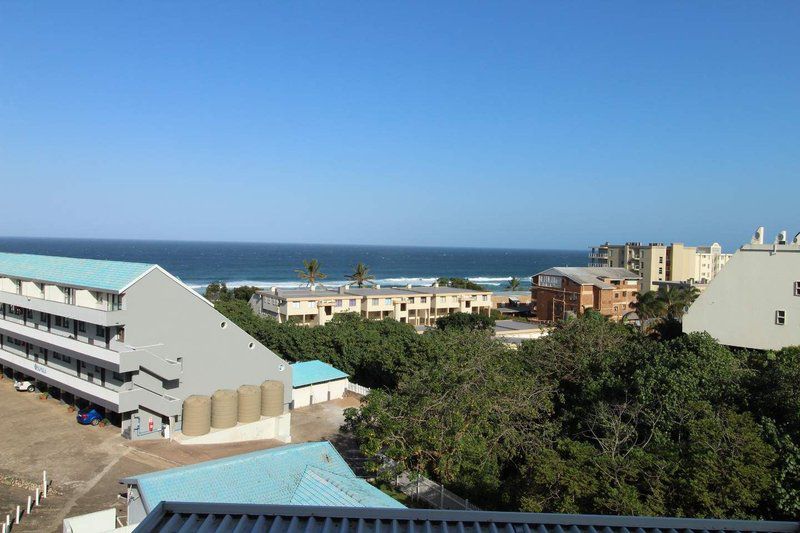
(198,263)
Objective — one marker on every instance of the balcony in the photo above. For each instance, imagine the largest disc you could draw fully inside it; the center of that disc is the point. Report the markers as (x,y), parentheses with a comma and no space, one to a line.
(89,352)
(89,391)
(91,315)
(598,255)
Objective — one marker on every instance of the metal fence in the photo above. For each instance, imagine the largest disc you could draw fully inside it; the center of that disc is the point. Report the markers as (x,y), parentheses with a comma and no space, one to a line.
(432,493)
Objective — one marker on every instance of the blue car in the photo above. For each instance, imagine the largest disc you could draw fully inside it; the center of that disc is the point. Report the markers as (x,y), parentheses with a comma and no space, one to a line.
(89,415)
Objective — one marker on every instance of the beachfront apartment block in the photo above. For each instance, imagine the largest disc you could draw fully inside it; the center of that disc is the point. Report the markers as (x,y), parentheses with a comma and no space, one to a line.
(570,291)
(754,302)
(656,262)
(420,306)
(128,337)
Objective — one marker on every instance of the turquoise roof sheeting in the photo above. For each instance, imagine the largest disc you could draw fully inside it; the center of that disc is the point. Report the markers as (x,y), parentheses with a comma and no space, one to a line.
(297,474)
(308,372)
(99,274)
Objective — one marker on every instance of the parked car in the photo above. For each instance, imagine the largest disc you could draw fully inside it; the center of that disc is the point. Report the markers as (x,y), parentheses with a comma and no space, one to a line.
(23,386)
(89,415)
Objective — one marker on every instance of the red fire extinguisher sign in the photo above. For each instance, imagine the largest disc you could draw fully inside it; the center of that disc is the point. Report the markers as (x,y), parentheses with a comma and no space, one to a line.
(150,424)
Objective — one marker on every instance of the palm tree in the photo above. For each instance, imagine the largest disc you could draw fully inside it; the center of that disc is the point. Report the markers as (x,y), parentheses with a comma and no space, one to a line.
(676,300)
(361,275)
(513,284)
(649,308)
(310,272)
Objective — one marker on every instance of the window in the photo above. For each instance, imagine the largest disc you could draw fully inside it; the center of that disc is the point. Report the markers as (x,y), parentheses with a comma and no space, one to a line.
(29,314)
(56,356)
(423,299)
(387,301)
(616,295)
(661,260)
(338,303)
(441,299)
(780,317)
(116,376)
(43,318)
(485,297)
(101,331)
(62,322)
(797,288)
(550,281)
(374,301)
(82,326)
(295,305)
(352,302)
(660,270)
(411,300)
(66,359)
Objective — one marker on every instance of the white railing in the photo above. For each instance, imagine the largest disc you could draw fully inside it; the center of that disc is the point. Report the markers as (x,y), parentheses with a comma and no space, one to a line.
(357,389)
(434,494)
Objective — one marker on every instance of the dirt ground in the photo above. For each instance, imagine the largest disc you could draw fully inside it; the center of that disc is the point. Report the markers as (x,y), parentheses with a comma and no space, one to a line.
(85,463)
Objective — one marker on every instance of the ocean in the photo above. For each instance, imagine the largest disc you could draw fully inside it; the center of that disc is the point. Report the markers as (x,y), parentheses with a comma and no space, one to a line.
(267,265)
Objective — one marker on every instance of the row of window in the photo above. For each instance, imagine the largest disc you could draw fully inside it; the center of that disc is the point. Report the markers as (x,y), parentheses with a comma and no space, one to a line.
(67,360)
(386,301)
(58,321)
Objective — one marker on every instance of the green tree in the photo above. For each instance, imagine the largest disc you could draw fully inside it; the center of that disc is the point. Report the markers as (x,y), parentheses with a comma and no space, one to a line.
(459,283)
(217,290)
(676,300)
(649,308)
(244,292)
(513,284)
(465,322)
(360,275)
(311,272)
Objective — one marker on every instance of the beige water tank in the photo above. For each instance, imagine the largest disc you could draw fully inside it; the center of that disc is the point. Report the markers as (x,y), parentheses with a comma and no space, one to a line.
(196,416)
(249,403)
(224,408)
(272,398)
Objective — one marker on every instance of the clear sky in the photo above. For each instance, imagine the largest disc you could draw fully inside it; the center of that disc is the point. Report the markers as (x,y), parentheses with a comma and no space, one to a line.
(524,124)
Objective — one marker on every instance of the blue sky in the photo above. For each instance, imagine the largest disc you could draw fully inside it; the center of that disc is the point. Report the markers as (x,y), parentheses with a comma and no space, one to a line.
(524,124)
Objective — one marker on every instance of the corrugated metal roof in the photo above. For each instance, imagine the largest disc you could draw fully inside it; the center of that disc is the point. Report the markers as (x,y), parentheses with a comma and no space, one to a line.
(304,474)
(288,519)
(306,373)
(99,274)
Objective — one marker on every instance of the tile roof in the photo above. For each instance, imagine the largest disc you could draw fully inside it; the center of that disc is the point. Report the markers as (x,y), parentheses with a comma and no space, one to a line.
(284,519)
(297,474)
(308,372)
(112,276)
(591,275)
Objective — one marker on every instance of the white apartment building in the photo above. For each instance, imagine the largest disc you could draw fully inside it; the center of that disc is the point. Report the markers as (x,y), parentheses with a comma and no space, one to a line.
(657,263)
(315,306)
(754,302)
(127,337)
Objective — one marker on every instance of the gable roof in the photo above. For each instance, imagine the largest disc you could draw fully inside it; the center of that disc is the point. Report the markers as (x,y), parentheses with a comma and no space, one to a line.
(308,372)
(113,276)
(298,474)
(591,275)
(285,519)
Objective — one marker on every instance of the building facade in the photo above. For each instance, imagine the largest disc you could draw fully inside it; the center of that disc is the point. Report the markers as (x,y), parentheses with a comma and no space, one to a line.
(570,291)
(656,262)
(128,337)
(754,302)
(419,306)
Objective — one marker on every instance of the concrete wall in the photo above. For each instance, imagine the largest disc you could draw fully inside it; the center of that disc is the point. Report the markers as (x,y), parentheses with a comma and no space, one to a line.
(215,353)
(738,307)
(318,393)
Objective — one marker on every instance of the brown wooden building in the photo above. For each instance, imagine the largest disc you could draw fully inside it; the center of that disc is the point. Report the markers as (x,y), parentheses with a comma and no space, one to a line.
(564,291)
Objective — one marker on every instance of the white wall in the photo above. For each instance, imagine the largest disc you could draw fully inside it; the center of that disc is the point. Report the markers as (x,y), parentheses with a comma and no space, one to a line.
(318,393)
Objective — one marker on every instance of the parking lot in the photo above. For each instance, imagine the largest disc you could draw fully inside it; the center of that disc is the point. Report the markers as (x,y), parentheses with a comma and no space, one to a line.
(85,463)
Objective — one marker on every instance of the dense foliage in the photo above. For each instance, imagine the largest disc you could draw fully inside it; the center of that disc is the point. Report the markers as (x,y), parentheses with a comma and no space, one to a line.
(459,283)
(219,291)
(465,321)
(594,418)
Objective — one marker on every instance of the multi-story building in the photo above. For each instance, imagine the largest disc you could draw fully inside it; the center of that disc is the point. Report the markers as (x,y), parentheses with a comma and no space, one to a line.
(312,306)
(563,291)
(414,305)
(656,262)
(128,337)
(754,302)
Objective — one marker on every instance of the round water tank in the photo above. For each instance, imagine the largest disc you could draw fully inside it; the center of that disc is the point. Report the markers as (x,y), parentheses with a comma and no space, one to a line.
(249,403)
(224,408)
(196,416)
(272,398)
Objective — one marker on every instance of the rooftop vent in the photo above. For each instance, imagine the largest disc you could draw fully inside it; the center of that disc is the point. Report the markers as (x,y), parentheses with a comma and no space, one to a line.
(796,239)
(781,237)
(758,236)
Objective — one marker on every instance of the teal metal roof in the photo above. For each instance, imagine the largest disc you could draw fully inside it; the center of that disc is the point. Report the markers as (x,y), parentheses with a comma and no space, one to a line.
(309,372)
(91,273)
(298,474)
